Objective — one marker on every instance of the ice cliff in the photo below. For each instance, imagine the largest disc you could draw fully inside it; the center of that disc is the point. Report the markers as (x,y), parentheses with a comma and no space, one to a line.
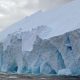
(48,56)
(44,43)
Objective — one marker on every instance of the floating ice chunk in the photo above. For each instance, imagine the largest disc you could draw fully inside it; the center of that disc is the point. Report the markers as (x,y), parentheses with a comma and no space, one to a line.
(65,72)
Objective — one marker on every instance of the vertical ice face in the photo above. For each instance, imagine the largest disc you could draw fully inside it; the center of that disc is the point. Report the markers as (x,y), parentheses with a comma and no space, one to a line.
(47,69)
(1,54)
(48,56)
(44,52)
(12,56)
(28,37)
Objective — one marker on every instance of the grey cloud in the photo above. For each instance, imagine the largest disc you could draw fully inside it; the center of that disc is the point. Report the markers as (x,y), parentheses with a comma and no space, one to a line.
(49,4)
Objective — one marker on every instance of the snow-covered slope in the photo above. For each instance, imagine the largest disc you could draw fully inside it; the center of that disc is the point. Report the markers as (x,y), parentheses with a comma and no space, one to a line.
(30,45)
(62,20)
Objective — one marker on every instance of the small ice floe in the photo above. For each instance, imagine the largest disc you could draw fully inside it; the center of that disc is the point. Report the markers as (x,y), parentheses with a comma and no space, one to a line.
(64,72)
(12,77)
(43,78)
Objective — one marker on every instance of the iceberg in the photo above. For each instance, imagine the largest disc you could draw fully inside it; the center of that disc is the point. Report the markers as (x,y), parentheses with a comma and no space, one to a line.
(44,43)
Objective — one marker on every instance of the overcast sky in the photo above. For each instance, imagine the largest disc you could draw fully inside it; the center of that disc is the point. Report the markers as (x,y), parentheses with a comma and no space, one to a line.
(14,10)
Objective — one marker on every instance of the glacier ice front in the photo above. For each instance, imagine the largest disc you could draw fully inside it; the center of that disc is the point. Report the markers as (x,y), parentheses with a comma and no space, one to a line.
(48,56)
(44,43)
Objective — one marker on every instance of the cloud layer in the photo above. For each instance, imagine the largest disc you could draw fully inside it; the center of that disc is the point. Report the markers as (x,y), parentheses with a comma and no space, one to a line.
(13,10)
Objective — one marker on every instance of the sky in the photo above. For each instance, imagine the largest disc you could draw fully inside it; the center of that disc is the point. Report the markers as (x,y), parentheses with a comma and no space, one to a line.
(12,11)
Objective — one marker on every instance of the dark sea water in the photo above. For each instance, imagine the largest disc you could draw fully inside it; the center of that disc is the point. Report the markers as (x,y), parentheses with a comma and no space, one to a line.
(6,76)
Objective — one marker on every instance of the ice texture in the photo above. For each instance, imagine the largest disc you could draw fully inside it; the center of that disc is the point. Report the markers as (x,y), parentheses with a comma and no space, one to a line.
(44,43)
(65,72)
(48,56)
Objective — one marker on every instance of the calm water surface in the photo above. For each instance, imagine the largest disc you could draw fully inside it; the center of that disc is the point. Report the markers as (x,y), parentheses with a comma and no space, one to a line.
(6,76)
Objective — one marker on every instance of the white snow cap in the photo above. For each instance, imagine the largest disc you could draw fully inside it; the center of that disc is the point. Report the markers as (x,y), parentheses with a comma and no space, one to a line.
(59,21)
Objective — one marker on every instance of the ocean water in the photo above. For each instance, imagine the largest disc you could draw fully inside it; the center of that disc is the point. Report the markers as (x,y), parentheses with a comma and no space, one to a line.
(9,76)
